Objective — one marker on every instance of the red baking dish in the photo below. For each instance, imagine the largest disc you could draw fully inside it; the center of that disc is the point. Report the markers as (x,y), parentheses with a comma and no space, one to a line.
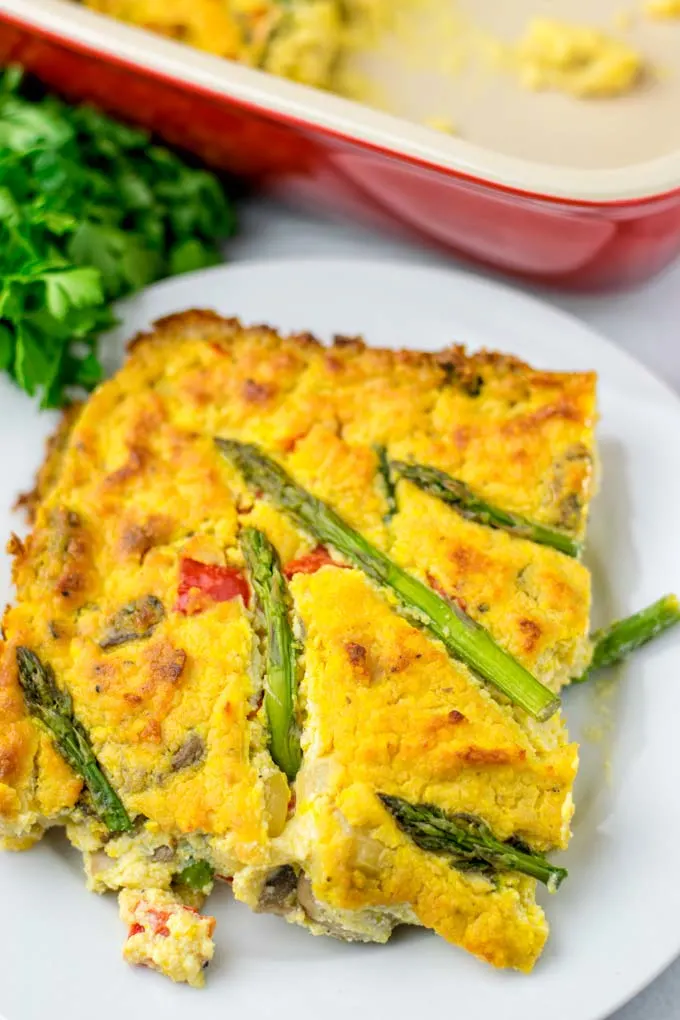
(578,227)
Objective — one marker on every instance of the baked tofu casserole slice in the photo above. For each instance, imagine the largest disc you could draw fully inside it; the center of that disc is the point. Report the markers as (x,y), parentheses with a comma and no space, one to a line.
(297,617)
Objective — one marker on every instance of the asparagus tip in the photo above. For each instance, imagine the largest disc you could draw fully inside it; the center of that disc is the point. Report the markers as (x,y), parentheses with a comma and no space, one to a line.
(557,877)
(614,643)
(549,710)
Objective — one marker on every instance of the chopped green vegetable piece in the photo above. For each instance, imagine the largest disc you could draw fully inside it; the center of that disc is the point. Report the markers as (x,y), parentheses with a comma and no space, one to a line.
(468,842)
(389,489)
(135,621)
(616,642)
(462,637)
(280,697)
(89,212)
(457,495)
(197,875)
(53,708)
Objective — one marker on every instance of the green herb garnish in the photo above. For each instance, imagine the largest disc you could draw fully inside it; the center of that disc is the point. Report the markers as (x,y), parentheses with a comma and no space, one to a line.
(90,210)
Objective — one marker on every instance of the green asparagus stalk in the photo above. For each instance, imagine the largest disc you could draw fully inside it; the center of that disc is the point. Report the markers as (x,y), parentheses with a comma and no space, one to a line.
(616,642)
(53,708)
(280,698)
(387,485)
(457,495)
(463,638)
(468,842)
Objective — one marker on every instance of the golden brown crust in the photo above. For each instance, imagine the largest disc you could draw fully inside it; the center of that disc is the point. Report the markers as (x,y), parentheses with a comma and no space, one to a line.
(48,473)
(206,325)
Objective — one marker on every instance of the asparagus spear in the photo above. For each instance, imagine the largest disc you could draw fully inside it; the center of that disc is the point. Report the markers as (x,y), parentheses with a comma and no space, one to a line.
(457,494)
(463,638)
(386,482)
(53,708)
(614,643)
(468,841)
(271,595)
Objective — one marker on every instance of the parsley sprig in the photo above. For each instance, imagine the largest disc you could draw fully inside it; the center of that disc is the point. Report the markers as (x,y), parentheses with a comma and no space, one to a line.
(90,210)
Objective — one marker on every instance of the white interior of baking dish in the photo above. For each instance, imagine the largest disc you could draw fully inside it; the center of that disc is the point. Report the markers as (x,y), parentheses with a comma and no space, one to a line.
(444,62)
(604,150)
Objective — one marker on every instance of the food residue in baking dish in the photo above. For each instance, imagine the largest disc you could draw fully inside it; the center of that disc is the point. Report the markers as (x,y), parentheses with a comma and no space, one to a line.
(576,59)
(308,40)
(302,40)
(297,40)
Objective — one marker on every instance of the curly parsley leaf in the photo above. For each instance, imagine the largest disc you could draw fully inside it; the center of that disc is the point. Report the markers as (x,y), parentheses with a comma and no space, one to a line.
(90,210)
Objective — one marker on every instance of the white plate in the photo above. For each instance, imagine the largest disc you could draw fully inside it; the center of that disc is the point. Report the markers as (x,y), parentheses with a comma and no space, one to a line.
(615,921)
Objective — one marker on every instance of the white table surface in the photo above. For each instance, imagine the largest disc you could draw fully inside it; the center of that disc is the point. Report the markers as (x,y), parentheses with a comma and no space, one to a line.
(645,321)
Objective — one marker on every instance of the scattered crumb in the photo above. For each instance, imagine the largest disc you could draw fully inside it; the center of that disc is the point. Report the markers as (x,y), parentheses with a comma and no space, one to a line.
(166,935)
(602,730)
(608,772)
(442,124)
(662,8)
(353,84)
(575,59)
(430,36)
(623,20)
